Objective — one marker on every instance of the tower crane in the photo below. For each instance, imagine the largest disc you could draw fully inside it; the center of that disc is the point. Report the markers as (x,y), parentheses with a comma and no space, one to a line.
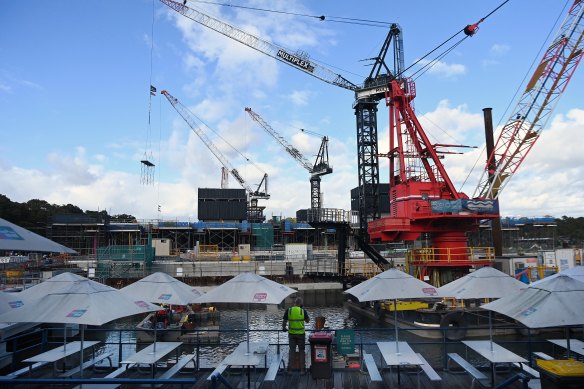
(320,167)
(255,212)
(367,95)
(535,107)
(422,197)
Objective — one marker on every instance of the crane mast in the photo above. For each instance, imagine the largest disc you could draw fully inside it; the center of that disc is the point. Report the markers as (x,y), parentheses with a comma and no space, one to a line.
(535,106)
(320,167)
(195,124)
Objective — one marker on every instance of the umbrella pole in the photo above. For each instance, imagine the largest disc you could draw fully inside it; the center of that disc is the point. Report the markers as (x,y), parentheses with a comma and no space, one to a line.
(568,340)
(65,337)
(247,317)
(81,352)
(491,329)
(395,325)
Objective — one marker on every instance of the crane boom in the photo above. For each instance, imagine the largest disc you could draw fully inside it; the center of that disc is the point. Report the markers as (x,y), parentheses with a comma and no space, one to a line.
(321,166)
(536,105)
(297,60)
(367,96)
(193,122)
(293,151)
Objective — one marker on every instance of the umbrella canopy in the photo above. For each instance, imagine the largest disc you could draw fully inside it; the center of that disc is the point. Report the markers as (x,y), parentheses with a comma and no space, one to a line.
(486,282)
(576,272)
(54,284)
(72,299)
(161,288)
(15,238)
(77,301)
(555,301)
(392,284)
(247,288)
(9,301)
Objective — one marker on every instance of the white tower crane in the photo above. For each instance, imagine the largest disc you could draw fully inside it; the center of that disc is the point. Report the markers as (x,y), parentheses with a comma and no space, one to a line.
(320,167)
(255,212)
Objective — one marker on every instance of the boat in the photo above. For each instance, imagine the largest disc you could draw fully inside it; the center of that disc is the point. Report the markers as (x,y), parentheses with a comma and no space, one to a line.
(458,320)
(187,324)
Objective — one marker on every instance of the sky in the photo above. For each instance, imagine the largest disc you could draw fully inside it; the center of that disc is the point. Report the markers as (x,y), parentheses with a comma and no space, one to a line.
(76,115)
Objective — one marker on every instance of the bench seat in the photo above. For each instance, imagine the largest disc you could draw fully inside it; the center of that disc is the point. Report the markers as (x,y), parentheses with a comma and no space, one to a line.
(372,369)
(470,369)
(544,356)
(218,370)
(432,375)
(113,374)
(272,372)
(91,362)
(177,367)
(25,370)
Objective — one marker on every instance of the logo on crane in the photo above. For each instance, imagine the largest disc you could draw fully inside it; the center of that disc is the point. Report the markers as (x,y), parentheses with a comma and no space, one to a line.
(294,60)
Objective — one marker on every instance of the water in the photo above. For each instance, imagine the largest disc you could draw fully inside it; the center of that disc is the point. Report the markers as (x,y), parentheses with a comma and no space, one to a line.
(265,323)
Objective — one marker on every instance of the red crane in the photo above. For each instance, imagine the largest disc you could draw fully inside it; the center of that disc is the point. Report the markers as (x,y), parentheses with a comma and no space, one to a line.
(422,197)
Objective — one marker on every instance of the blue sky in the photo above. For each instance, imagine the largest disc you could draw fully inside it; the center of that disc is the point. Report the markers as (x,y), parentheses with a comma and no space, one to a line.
(74,100)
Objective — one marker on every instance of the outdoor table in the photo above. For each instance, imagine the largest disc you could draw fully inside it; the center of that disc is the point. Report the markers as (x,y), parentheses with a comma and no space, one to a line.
(405,357)
(61,352)
(494,353)
(148,356)
(241,357)
(576,345)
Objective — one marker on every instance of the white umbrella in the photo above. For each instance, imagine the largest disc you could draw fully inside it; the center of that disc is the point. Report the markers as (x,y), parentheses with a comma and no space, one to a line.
(247,288)
(69,298)
(486,282)
(552,302)
(161,288)
(392,284)
(576,272)
(555,301)
(16,238)
(9,301)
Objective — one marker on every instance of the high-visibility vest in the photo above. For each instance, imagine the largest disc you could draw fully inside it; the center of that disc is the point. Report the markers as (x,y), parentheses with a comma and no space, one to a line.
(295,320)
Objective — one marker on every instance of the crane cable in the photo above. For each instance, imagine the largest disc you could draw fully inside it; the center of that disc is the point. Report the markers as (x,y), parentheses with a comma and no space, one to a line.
(363,22)
(525,77)
(469,31)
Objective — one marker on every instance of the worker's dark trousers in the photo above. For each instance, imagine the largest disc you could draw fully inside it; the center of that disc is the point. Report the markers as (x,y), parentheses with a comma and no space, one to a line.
(296,357)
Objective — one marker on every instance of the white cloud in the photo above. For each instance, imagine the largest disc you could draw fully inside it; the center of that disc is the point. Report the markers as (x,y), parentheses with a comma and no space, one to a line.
(443,69)
(299,98)
(499,49)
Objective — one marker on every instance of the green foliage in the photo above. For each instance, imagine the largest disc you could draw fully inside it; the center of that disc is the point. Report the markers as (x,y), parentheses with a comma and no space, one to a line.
(36,214)
(570,231)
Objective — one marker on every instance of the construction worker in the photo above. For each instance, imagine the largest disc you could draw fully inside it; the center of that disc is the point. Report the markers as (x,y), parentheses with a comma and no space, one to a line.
(296,316)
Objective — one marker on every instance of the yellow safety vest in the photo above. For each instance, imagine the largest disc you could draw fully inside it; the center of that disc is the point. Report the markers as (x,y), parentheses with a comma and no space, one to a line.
(296,320)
